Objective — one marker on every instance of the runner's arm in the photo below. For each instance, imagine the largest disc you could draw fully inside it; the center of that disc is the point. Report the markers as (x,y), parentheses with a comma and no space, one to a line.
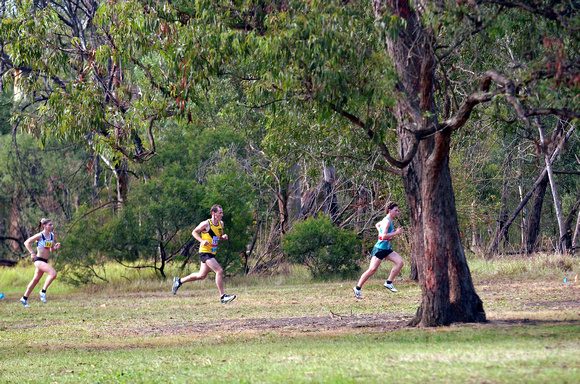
(28,244)
(202,227)
(223,236)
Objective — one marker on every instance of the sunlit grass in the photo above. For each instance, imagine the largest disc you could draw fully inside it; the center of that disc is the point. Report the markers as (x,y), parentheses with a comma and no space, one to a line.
(539,354)
(538,266)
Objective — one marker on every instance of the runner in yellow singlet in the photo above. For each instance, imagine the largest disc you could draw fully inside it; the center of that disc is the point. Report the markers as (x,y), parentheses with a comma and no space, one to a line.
(208,233)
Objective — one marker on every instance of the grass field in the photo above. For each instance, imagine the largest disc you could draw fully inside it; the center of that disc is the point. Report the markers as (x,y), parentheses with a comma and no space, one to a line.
(291,329)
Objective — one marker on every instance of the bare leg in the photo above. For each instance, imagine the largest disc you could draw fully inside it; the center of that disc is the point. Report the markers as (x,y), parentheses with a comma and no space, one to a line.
(203,271)
(375,263)
(398,260)
(46,268)
(37,275)
(219,274)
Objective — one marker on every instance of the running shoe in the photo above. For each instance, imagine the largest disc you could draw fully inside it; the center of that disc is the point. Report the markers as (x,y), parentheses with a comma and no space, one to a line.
(43,297)
(227,298)
(24,302)
(357,293)
(176,284)
(390,287)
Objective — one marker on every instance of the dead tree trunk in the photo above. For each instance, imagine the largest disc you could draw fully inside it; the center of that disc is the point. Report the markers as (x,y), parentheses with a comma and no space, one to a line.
(557,205)
(294,196)
(558,148)
(475,235)
(96,186)
(330,202)
(122,175)
(533,227)
(534,216)
(120,170)
(503,216)
(576,234)
(15,246)
(572,237)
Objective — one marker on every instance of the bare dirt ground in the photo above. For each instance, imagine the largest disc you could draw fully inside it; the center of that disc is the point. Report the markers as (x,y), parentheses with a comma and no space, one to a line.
(130,318)
(336,323)
(333,323)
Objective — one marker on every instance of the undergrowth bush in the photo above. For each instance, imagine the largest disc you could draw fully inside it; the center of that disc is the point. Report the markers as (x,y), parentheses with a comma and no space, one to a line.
(324,248)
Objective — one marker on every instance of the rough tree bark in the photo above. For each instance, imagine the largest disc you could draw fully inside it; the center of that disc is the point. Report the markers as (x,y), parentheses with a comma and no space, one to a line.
(448,294)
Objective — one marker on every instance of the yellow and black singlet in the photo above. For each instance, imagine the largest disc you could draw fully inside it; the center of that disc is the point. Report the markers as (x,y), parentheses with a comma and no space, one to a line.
(213,236)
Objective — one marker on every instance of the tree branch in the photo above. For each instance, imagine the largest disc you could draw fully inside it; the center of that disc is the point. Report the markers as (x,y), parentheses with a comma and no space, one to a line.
(556,11)
(88,213)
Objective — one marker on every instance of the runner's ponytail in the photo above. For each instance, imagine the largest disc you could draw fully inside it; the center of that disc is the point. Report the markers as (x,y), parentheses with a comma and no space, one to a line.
(41,223)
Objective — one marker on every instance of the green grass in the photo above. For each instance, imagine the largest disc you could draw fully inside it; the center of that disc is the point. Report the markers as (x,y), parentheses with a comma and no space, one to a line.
(288,328)
(540,354)
(545,353)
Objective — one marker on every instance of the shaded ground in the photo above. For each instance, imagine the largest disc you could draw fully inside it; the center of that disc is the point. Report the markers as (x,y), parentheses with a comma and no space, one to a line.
(333,323)
(324,324)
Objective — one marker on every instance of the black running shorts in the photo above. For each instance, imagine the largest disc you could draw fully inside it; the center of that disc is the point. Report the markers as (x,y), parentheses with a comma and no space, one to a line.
(381,253)
(205,257)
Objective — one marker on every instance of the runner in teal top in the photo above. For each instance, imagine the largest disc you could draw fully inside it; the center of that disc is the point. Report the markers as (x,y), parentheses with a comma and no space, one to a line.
(384,244)
(382,250)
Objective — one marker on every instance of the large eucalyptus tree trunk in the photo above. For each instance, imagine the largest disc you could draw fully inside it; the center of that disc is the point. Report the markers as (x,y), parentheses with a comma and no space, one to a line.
(448,294)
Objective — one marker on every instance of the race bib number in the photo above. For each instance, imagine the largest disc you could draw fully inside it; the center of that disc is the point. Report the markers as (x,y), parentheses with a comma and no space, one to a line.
(48,244)
(214,244)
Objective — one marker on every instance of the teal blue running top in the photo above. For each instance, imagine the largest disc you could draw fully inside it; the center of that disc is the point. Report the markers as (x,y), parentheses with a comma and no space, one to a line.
(384,244)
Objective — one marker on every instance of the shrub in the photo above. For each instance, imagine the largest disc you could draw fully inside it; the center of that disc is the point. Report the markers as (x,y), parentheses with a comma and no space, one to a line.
(324,248)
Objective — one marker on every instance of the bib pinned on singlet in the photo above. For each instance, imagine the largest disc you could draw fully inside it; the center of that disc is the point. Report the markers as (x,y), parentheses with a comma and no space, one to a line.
(213,236)
(44,242)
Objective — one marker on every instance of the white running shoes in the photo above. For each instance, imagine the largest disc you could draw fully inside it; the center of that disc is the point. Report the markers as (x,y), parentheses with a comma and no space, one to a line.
(390,287)
(227,298)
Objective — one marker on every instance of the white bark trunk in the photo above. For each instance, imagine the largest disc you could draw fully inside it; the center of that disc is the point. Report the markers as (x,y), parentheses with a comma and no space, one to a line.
(576,234)
(554,189)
